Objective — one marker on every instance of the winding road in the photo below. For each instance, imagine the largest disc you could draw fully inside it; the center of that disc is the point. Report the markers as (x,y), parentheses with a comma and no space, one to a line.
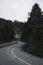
(14,55)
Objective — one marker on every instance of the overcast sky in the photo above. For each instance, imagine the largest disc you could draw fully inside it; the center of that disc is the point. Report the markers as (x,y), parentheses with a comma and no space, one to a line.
(17,9)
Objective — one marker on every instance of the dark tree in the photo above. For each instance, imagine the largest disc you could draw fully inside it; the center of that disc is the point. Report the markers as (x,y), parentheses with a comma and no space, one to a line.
(33,32)
(6,30)
(36,11)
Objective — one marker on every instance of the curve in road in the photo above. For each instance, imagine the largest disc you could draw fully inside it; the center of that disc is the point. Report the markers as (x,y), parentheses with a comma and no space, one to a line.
(13,55)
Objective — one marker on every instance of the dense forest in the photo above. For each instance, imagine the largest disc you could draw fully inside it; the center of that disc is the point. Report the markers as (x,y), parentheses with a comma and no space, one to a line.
(32,33)
(6,30)
(18,25)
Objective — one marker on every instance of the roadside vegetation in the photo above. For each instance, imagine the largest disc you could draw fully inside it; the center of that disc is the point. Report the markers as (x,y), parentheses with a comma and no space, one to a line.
(6,31)
(33,32)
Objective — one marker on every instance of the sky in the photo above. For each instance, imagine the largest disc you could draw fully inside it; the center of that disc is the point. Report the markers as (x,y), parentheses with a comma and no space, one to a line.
(17,9)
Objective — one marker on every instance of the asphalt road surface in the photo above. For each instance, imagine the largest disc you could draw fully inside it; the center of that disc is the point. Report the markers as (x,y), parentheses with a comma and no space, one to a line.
(13,55)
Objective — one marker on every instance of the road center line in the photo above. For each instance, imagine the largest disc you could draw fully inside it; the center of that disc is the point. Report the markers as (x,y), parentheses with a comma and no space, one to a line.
(20,58)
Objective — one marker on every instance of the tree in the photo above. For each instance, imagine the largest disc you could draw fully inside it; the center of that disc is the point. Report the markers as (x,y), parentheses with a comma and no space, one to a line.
(6,30)
(33,32)
(36,11)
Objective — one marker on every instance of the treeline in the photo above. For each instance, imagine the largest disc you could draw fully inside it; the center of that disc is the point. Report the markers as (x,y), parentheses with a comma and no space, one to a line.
(33,32)
(6,30)
(18,25)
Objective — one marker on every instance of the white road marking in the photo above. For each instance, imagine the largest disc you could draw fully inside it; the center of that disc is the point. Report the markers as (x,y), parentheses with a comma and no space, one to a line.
(20,58)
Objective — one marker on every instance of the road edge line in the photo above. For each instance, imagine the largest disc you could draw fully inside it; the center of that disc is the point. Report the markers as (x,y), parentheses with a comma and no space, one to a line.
(19,58)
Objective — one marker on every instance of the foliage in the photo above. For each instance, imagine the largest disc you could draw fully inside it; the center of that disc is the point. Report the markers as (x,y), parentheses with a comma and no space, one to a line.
(18,25)
(36,11)
(33,32)
(6,30)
